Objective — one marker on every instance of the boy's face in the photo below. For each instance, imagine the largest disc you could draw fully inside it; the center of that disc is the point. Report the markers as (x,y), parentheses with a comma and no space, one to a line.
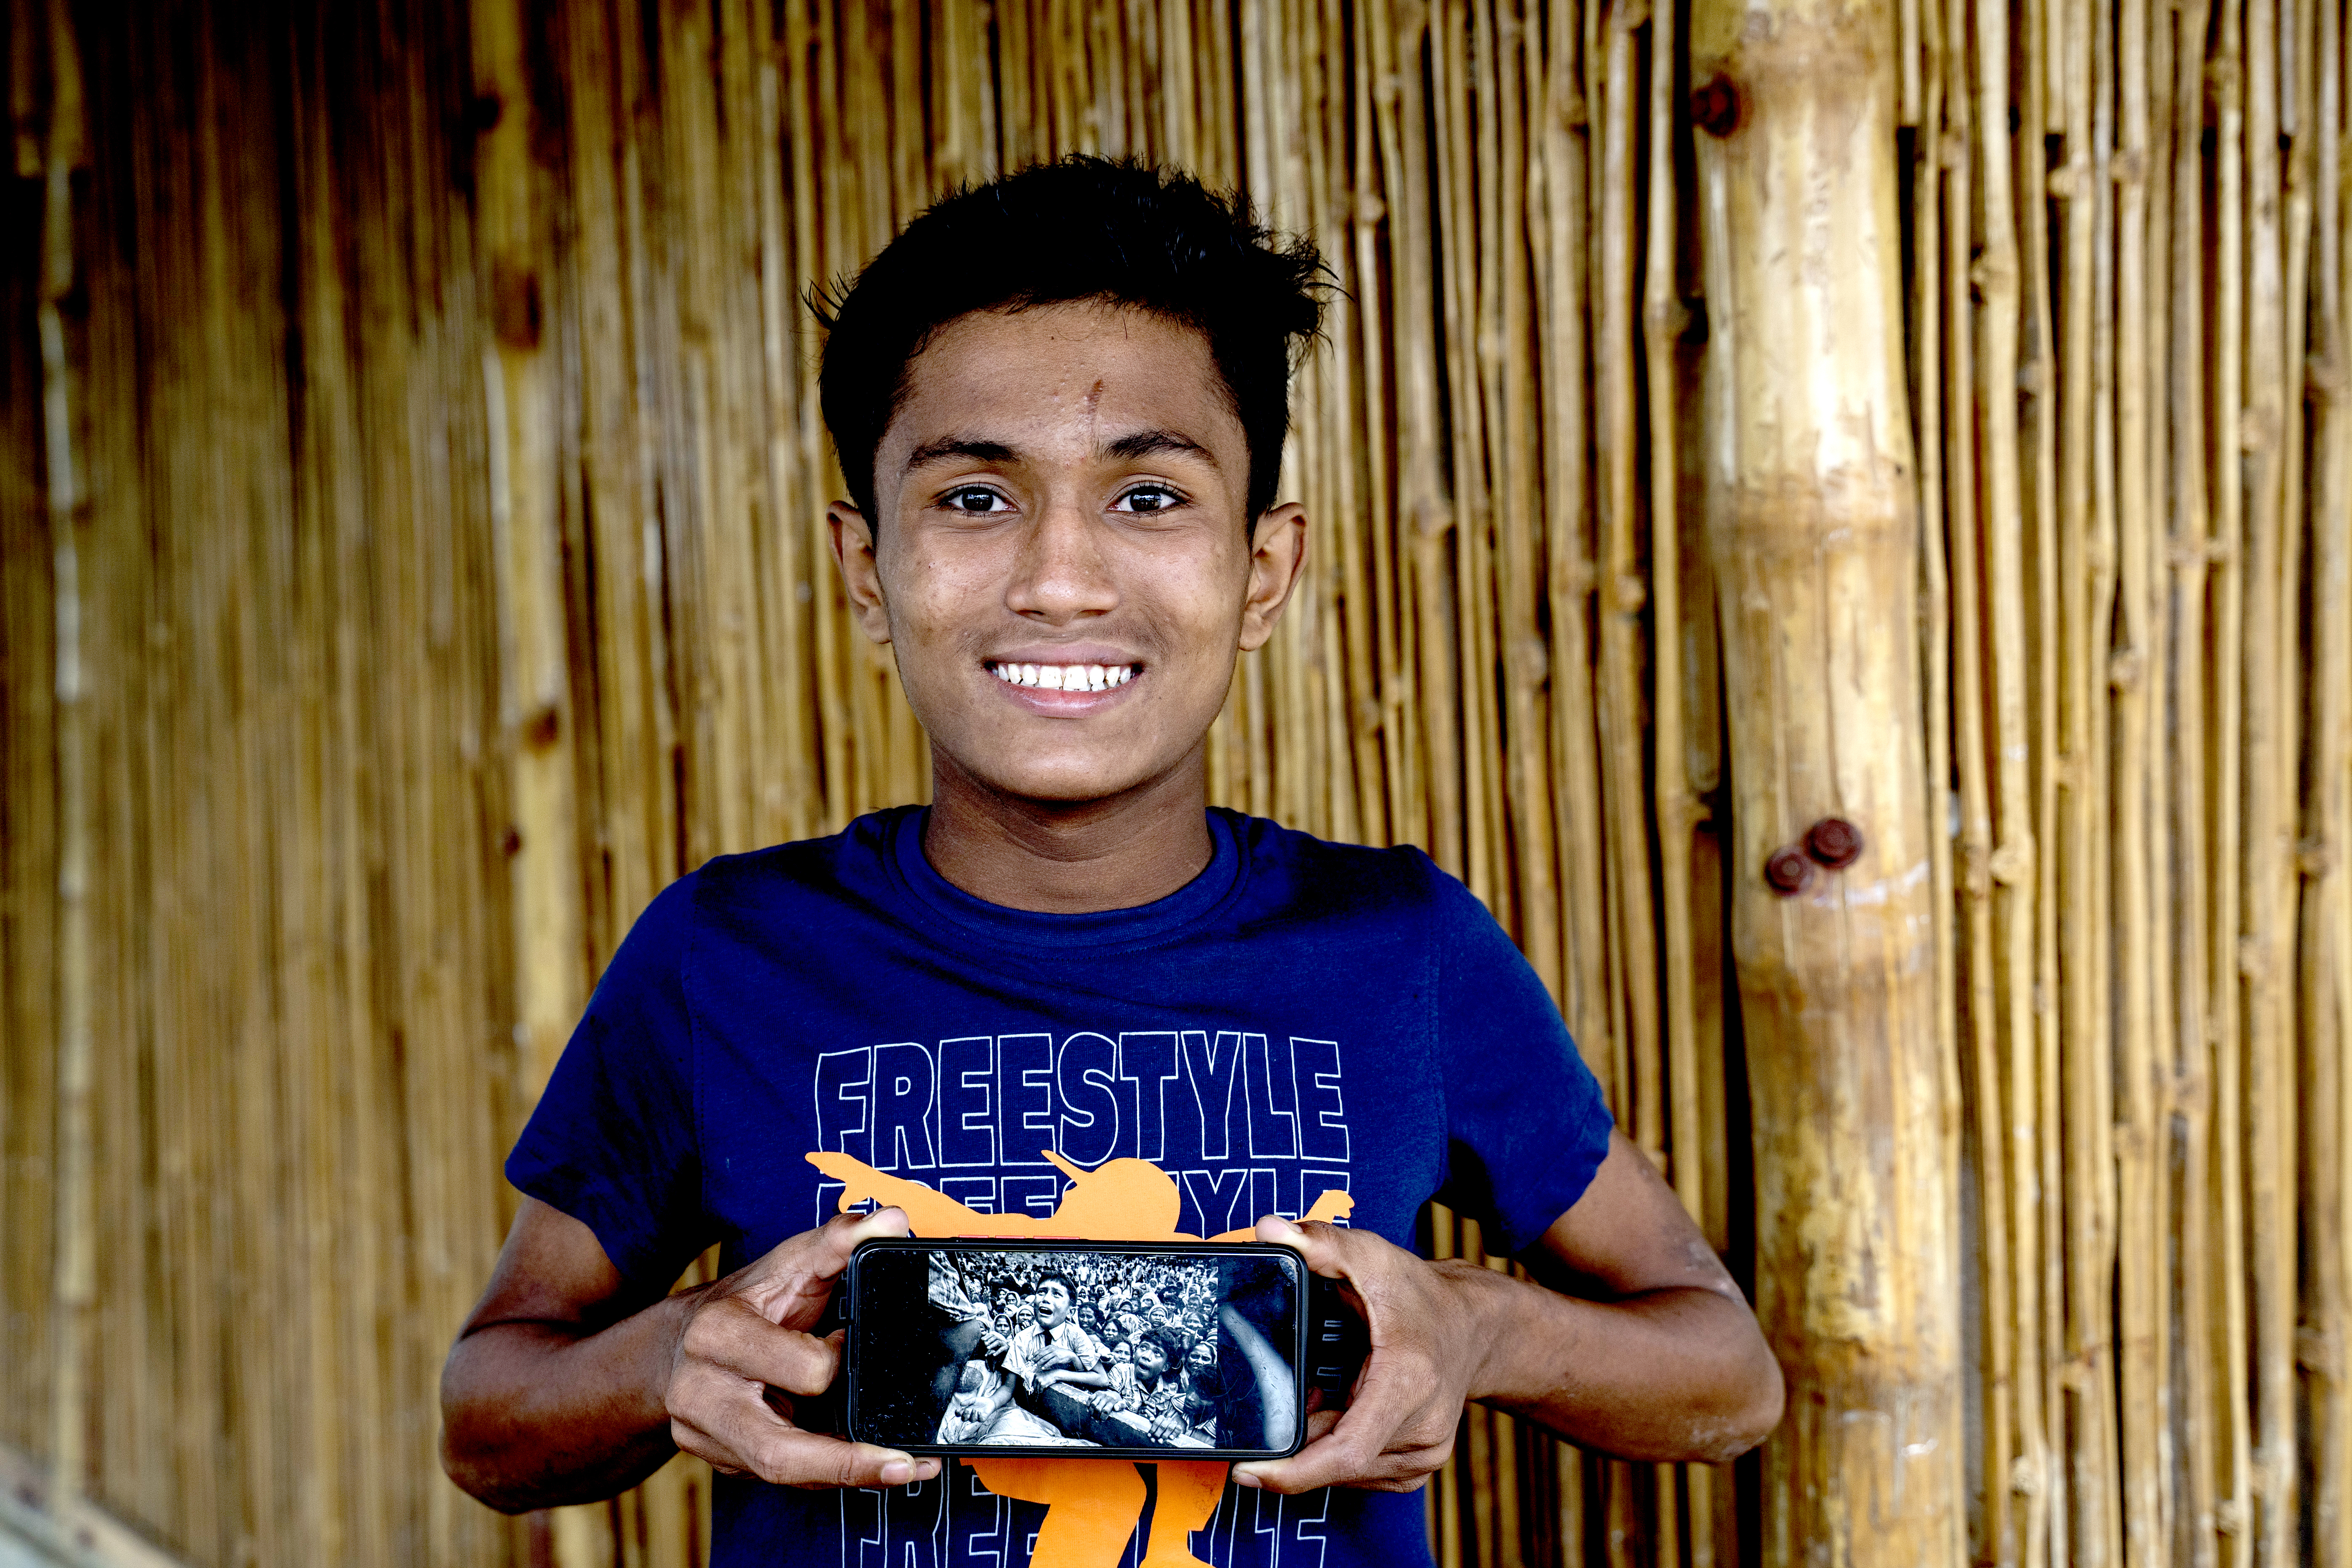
(1065,566)
(1051,1303)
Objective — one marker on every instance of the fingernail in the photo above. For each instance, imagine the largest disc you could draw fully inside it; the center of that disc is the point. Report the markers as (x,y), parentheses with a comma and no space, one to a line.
(1243,1478)
(927,1469)
(1280,1225)
(897,1472)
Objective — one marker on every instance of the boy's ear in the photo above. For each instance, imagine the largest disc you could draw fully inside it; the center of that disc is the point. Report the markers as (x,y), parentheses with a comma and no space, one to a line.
(853,551)
(1278,555)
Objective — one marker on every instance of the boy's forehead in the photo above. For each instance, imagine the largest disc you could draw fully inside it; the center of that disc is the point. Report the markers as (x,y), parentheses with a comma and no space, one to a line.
(1049,372)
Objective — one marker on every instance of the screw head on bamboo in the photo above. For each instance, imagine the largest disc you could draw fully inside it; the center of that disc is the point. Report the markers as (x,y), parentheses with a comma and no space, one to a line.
(1833,842)
(1716,107)
(1788,871)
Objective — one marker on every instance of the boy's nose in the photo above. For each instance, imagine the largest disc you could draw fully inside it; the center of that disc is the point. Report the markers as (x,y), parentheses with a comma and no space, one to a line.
(1062,575)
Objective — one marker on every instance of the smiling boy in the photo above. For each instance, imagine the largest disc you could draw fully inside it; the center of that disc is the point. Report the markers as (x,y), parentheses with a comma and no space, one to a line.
(1059,401)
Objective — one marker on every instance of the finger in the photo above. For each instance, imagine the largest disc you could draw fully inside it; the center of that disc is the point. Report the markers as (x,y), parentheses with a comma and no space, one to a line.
(793,1458)
(791,1283)
(1376,1440)
(731,1337)
(762,1444)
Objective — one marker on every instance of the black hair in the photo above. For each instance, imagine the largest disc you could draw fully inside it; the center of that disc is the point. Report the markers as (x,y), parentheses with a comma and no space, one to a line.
(1172,1345)
(1114,230)
(1055,1277)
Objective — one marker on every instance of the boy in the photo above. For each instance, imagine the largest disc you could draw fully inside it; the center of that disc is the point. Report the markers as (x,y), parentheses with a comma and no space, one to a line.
(1059,401)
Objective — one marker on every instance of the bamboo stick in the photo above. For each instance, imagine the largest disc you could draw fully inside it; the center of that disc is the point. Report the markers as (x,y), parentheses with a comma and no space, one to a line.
(73,1271)
(2326,912)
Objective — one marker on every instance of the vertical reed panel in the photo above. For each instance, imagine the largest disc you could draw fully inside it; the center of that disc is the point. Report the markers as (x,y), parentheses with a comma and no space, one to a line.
(419,413)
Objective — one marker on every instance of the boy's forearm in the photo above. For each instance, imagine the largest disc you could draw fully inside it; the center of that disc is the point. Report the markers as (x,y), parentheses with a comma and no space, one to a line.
(537,1414)
(1671,1374)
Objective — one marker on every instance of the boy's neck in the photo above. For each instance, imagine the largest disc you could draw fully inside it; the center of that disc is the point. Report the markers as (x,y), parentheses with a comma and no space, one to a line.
(1062,858)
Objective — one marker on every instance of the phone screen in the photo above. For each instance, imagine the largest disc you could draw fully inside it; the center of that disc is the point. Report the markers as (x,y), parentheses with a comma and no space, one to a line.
(1184,1351)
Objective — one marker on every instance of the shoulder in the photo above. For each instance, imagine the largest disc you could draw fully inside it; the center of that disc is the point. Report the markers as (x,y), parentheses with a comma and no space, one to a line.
(839,866)
(1315,876)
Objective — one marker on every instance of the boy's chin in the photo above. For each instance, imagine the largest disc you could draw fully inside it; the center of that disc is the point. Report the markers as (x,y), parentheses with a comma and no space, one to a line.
(1061,788)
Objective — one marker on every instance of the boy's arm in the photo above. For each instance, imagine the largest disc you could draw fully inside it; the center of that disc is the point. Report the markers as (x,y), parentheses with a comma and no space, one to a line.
(561,1389)
(1670,1366)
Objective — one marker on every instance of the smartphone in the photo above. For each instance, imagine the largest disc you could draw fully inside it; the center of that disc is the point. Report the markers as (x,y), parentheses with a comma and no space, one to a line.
(1125,1350)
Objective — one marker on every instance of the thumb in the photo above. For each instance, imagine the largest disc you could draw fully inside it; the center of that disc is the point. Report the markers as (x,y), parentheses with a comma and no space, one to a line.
(1320,1244)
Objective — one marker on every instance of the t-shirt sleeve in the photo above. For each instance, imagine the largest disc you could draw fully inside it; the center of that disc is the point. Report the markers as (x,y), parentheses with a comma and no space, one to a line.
(612,1141)
(1526,1123)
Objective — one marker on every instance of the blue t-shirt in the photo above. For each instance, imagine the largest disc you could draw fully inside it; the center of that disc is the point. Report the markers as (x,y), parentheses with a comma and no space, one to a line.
(1299,1017)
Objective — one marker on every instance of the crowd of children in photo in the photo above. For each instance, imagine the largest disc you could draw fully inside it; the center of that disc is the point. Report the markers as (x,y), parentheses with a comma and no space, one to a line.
(1082,1349)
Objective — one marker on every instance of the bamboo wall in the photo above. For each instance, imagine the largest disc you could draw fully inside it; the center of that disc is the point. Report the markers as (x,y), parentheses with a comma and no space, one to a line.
(410,554)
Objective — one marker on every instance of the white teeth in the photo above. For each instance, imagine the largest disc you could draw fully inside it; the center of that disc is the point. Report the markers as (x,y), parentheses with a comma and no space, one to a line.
(1065,676)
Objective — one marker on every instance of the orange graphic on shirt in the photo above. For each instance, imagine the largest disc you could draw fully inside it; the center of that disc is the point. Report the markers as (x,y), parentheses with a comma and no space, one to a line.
(1091,1508)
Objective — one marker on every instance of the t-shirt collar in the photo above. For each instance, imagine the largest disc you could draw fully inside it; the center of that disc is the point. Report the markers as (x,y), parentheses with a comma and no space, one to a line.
(1035,930)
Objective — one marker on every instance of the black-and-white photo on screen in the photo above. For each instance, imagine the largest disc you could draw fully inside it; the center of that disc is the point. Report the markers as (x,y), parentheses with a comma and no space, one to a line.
(1066,1349)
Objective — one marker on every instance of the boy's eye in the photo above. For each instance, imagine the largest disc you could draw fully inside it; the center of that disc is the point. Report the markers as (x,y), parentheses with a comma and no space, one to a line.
(978,500)
(1148,499)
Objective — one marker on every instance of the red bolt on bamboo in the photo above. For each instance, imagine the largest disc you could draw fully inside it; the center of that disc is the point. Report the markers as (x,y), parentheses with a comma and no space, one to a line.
(1834,842)
(1788,871)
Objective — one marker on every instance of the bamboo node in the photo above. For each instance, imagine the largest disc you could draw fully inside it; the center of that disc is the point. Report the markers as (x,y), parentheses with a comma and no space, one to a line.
(2254,957)
(1993,272)
(2062,183)
(2318,1351)
(2323,378)
(1633,592)
(2013,863)
(2229,1517)
(2128,168)
(2189,555)
(2315,858)
(2257,430)
(2024,1478)
(514,304)
(540,731)
(2126,669)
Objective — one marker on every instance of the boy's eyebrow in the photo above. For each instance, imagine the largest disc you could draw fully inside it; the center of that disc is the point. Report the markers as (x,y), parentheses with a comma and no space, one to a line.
(958,446)
(1147,442)
(1140,444)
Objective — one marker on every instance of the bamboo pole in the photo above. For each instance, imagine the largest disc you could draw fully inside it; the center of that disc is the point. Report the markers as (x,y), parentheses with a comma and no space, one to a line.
(73,1272)
(1809,527)
(2326,902)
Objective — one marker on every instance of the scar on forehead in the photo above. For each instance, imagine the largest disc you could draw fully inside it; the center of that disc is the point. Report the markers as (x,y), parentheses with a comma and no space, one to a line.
(1093,399)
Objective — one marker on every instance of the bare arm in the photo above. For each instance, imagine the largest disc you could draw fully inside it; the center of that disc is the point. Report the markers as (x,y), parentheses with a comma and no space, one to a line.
(561,1388)
(1669,1365)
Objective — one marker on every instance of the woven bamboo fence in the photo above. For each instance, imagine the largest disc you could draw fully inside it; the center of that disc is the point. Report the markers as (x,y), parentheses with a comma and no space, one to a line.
(410,511)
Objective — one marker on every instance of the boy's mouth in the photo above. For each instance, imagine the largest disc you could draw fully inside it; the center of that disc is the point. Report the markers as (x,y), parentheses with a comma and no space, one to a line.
(1064,677)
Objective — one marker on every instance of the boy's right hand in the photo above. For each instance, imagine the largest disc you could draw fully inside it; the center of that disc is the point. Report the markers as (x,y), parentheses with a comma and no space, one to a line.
(742,1353)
